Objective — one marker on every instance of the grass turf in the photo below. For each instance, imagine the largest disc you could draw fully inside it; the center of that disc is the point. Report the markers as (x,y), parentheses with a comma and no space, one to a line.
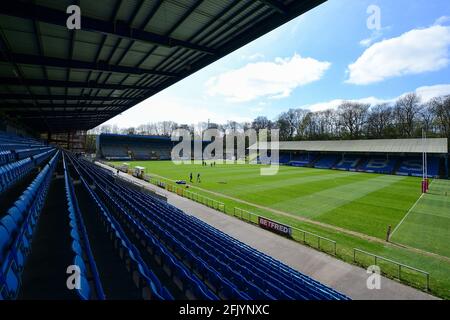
(427,225)
(366,203)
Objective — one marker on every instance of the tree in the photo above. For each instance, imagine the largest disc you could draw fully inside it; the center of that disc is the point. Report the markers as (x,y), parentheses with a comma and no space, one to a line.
(426,119)
(284,127)
(440,108)
(352,118)
(261,123)
(406,112)
(106,128)
(379,121)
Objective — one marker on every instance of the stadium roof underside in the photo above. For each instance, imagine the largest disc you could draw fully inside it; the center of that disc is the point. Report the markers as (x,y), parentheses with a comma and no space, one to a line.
(432,145)
(56,79)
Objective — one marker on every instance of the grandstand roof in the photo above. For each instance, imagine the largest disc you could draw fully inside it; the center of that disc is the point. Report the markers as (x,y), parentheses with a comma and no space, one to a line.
(433,145)
(56,79)
(134,136)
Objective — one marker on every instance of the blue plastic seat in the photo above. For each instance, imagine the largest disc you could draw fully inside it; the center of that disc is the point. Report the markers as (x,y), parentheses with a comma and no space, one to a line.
(11,283)
(74,234)
(84,291)
(8,222)
(77,248)
(5,241)
(78,261)
(15,215)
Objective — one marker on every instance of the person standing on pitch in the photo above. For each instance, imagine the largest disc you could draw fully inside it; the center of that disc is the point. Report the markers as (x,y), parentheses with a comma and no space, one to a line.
(190,177)
(198,177)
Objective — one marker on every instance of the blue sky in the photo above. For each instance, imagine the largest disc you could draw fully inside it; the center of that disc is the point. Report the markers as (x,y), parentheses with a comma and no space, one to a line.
(315,61)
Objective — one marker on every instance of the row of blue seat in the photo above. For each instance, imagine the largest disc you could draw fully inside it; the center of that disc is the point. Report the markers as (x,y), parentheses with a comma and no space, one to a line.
(6,157)
(305,287)
(28,152)
(80,245)
(142,275)
(11,173)
(17,228)
(8,146)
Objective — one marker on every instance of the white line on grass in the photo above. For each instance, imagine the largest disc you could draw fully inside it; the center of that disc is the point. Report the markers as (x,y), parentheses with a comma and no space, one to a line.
(409,211)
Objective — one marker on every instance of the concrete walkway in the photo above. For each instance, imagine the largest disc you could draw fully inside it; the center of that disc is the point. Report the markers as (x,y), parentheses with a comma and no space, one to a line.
(344,277)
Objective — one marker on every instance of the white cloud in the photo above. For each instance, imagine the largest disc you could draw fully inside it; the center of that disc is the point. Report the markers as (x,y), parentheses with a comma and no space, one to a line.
(429,92)
(442,20)
(333,104)
(275,79)
(414,52)
(366,42)
(253,57)
(426,93)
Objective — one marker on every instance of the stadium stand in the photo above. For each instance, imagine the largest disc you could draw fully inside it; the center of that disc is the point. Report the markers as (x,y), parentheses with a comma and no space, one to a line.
(284,158)
(349,162)
(384,156)
(413,166)
(133,147)
(303,160)
(326,161)
(379,165)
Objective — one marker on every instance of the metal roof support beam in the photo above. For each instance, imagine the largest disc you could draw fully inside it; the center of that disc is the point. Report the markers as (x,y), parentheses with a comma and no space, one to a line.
(68,84)
(79,106)
(118,28)
(65,114)
(275,5)
(19,96)
(76,64)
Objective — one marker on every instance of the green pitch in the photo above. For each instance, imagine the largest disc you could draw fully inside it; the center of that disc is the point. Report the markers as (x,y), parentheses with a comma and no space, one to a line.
(361,202)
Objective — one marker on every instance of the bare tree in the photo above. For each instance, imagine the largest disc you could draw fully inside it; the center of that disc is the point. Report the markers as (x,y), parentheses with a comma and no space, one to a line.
(352,118)
(284,127)
(261,123)
(407,110)
(379,121)
(106,128)
(441,110)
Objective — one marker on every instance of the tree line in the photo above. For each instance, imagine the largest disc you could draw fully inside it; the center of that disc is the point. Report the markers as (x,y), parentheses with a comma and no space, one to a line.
(404,118)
